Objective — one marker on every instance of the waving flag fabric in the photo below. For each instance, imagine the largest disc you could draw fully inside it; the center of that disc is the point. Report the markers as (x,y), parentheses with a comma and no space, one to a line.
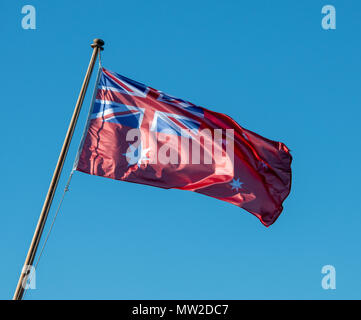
(139,134)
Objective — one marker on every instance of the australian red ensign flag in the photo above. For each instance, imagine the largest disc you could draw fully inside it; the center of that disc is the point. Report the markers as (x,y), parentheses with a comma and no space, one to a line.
(139,134)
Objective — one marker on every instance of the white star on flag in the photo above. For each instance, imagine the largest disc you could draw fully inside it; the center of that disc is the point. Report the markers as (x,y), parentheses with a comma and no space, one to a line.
(263,164)
(136,155)
(236,184)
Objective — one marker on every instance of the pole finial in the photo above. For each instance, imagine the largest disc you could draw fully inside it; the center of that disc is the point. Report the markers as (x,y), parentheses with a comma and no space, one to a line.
(98,43)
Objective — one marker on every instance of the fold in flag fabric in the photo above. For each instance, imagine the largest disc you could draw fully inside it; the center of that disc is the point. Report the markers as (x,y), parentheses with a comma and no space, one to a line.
(139,134)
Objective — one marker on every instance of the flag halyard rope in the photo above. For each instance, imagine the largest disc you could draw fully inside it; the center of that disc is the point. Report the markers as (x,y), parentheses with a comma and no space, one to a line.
(66,189)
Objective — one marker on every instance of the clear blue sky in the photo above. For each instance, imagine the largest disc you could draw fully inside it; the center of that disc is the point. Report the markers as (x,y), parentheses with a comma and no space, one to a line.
(269,65)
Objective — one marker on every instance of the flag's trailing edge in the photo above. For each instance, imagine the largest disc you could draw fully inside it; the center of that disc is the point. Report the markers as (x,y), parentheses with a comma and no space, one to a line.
(139,134)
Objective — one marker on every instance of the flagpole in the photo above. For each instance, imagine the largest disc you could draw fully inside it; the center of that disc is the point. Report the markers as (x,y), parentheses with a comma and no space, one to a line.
(97,45)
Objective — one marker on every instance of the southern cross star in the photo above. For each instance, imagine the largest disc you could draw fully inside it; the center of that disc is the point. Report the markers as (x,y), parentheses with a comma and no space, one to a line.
(236,184)
(134,156)
(263,164)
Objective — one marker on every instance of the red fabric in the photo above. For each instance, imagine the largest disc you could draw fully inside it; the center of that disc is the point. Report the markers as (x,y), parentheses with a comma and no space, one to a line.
(258,180)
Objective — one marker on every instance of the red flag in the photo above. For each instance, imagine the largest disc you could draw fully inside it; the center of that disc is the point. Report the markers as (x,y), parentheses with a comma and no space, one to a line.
(139,134)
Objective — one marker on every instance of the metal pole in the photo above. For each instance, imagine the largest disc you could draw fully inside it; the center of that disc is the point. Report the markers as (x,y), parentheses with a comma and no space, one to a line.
(97,45)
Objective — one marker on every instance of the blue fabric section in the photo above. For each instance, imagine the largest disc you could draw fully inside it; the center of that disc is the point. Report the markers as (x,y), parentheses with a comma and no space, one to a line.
(130,120)
(167,126)
(100,107)
(108,82)
(190,124)
(195,109)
